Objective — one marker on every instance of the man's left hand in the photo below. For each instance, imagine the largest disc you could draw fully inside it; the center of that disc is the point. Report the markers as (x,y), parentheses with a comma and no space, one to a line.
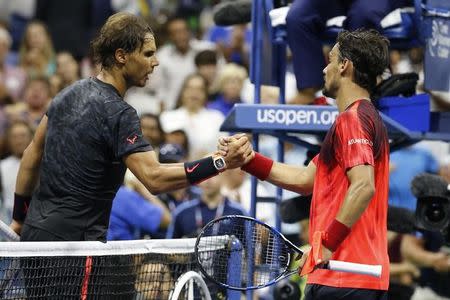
(326,256)
(16,226)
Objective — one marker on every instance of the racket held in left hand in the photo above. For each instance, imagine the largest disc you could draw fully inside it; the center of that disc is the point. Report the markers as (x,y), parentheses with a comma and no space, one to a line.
(242,253)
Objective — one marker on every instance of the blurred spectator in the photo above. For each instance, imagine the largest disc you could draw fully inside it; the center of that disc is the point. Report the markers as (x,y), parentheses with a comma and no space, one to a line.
(36,99)
(171,153)
(12,78)
(135,212)
(145,8)
(16,13)
(234,42)
(69,24)
(237,187)
(67,68)
(231,81)
(190,11)
(179,137)
(405,164)
(236,49)
(67,72)
(402,273)
(18,136)
(152,131)
(200,124)
(190,217)
(428,253)
(176,61)
(12,7)
(206,63)
(269,94)
(395,56)
(441,151)
(36,53)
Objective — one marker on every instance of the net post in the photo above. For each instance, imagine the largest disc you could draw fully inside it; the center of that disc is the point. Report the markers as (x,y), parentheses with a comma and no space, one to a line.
(234,268)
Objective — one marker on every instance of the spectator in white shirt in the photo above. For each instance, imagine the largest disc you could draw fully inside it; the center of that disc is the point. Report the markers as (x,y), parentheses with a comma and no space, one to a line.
(176,61)
(201,125)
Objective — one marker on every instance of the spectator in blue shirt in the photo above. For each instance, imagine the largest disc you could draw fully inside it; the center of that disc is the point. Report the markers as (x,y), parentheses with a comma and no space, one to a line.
(405,164)
(190,217)
(135,212)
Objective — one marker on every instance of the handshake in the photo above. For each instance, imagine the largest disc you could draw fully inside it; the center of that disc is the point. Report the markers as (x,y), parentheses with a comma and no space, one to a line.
(236,150)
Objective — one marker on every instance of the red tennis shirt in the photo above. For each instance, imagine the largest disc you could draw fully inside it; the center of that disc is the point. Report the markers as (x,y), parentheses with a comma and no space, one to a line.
(358,137)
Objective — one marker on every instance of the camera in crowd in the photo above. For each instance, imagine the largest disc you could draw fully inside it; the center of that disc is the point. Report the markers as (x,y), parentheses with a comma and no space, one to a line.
(433,204)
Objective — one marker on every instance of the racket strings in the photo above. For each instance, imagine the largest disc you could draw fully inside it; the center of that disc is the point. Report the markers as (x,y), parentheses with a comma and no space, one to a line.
(252,254)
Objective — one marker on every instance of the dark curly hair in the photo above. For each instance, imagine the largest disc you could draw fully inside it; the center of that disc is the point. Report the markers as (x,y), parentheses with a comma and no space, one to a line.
(121,30)
(369,52)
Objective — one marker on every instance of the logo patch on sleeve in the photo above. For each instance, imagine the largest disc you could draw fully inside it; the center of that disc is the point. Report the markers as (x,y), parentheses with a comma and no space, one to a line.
(132,140)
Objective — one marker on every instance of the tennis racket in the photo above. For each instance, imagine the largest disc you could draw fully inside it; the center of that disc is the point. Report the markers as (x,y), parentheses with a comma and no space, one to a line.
(8,233)
(11,268)
(249,254)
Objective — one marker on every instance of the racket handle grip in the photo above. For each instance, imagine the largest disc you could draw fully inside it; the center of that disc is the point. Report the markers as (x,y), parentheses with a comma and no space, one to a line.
(8,233)
(342,266)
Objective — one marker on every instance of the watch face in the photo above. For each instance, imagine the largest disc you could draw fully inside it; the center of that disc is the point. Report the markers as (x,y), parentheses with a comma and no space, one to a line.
(219,163)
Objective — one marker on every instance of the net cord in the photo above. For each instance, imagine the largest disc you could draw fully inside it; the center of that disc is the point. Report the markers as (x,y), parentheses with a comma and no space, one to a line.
(94,248)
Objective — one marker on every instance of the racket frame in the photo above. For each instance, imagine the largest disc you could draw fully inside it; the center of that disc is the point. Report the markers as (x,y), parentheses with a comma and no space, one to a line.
(334,265)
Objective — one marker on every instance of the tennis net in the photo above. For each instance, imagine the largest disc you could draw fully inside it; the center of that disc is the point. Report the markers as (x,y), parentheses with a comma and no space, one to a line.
(145,269)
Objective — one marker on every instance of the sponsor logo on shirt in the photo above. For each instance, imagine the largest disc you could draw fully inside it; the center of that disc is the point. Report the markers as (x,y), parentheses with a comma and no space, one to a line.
(360,141)
(132,140)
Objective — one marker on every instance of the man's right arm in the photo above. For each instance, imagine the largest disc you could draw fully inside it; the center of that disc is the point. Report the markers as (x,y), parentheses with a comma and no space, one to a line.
(31,161)
(159,178)
(294,178)
(28,174)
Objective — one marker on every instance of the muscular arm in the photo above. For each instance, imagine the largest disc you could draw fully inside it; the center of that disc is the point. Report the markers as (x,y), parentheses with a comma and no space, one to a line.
(293,178)
(157,178)
(31,161)
(166,215)
(28,174)
(359,193)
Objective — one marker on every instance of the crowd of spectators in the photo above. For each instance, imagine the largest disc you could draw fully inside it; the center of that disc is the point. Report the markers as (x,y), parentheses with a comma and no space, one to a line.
(203,71)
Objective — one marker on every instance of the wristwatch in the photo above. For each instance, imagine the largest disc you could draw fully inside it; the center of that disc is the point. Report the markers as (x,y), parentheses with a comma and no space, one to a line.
(219,163)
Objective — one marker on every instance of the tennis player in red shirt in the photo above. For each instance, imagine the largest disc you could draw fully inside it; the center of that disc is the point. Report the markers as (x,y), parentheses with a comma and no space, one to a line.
(348,178)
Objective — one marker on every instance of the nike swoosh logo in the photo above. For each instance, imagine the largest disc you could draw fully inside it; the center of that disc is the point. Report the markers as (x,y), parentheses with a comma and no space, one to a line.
(190,170)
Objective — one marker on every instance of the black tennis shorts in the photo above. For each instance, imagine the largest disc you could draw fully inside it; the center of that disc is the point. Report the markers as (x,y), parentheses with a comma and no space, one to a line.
(322,292)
